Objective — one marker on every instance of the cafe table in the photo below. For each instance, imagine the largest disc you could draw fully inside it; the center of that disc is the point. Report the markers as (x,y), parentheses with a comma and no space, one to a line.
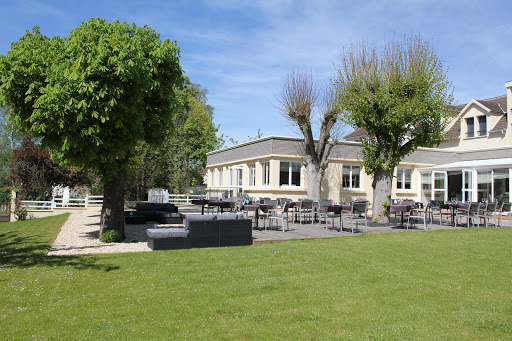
(255,208)
(400,208)
(200,202)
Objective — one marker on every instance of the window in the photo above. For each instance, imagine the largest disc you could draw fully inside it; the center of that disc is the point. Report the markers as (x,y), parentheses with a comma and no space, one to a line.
(265,173)
(482,125)
(470,122)
(220,177)
(501,185)
(289,173)
(252,174)
(351,176)
(403,178)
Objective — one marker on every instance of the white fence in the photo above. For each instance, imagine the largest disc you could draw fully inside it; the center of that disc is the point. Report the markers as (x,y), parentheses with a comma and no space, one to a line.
(56,203)
(158,196)
(183,198)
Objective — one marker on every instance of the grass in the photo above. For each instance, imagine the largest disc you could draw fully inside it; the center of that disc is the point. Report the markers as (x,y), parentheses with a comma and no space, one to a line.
(452,284)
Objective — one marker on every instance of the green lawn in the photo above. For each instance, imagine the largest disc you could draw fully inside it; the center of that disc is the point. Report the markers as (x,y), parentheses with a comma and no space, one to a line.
(441,285)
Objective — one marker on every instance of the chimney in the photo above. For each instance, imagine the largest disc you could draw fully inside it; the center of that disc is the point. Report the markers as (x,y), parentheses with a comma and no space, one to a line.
(508,85)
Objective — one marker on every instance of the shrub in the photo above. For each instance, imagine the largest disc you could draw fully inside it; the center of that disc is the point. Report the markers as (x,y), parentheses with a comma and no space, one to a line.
(20,212)
(5,194)
(111,236)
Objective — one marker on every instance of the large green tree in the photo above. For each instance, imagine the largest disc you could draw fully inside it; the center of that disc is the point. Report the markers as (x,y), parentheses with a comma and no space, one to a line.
(179,162)
(92,96)
(10,138)
(400,94)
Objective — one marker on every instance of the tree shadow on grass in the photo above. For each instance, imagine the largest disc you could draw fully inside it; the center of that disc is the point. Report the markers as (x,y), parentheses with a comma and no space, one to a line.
(27,251)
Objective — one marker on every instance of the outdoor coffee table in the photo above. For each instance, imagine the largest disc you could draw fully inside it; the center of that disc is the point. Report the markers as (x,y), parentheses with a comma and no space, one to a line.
(135,219)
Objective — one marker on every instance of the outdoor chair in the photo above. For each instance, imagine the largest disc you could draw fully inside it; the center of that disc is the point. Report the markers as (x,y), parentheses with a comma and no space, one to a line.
(418,212)
(306,209)
(506,209)
(283,217)
(358,213)
(333,213)
(282,201)
(487,212)
(436,210)
(470,213)
(323,208)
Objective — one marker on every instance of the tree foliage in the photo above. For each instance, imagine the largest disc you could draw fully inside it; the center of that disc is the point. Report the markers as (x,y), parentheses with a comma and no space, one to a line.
(34,172)
(179,162)
(92,96)
(10,138)
(400,94)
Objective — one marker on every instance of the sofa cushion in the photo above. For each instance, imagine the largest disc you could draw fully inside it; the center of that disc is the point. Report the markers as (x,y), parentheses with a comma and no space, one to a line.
(172,232)
(144,206)
(228,216)
(208,217)
(168,214)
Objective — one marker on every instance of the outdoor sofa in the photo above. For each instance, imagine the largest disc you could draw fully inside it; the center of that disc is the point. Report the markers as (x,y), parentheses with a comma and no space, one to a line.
(146,211)
(227,229)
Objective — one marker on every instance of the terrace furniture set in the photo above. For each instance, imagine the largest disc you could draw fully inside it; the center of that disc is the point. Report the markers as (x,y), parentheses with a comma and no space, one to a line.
(214,230)
(161,213)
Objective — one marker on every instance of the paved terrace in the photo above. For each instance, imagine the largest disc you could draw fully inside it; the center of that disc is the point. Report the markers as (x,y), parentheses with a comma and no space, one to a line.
(79,235)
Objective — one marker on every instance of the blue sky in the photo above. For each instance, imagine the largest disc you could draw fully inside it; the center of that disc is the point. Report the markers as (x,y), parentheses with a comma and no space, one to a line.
(241,50)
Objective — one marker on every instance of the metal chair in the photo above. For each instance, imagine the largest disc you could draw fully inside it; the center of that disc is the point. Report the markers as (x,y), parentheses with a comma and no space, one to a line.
(359,212)
(489,211)
(506,208)
(470,213)
(283,217)
(306,209)
(419,213)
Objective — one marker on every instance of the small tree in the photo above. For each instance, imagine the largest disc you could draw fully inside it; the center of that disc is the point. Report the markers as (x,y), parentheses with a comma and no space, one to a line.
(92,96)
(400,95)
(33,170)
(298,99)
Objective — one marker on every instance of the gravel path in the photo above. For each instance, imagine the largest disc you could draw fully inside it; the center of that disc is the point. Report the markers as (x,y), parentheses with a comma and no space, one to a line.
(79,235)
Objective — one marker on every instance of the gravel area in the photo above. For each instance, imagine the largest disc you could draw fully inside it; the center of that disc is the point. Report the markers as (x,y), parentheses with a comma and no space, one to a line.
(79,235)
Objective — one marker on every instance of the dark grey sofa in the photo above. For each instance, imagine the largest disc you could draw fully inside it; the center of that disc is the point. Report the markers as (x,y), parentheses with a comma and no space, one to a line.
(162,213)
(228,229)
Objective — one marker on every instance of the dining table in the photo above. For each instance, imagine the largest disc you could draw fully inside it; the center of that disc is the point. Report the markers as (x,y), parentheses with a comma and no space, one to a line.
(400,208)
(255,208)
(222,205)
(200,202)
(452,206)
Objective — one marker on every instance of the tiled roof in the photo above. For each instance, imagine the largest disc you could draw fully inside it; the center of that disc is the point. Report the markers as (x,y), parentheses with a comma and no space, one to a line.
(355,134)
(454,131)
(496,104)
(501,125)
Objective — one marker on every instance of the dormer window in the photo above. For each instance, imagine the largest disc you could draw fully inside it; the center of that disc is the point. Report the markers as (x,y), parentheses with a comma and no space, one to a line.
(482,125)
(470,123)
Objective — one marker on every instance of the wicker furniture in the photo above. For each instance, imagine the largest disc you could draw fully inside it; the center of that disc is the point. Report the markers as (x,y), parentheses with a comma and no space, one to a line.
(228,229)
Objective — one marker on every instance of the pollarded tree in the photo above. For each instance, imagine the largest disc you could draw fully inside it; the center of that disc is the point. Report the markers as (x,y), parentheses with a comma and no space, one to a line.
(298,99)
(400,95)
(92,96)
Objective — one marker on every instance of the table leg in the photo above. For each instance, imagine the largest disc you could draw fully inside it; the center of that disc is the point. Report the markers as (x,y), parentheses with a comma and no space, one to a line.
(202,209)
(256,218)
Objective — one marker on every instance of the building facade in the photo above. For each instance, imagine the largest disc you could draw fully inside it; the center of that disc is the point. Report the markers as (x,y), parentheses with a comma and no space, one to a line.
(475,163)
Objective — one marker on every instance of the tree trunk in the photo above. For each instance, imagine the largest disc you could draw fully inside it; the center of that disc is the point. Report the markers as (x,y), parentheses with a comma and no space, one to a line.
(112,211)
(314,174)
(382,186)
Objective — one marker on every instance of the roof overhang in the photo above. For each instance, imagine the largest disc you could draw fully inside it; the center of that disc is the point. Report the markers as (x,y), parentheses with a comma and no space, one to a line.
(473,164)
